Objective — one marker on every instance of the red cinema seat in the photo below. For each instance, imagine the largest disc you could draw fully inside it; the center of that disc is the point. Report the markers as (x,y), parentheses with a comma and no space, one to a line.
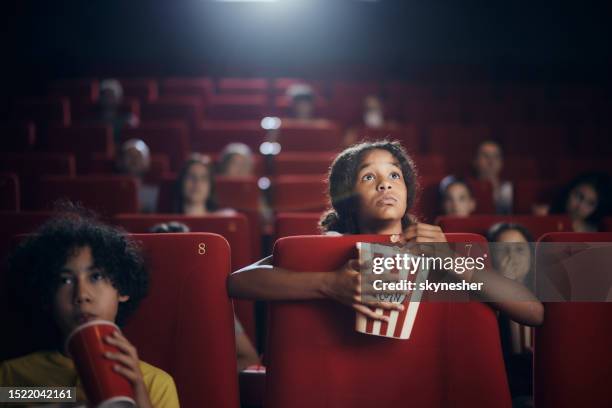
(320,136)
(31,167)
(237,107)
(16,223)
(86,111)
(299,193)
(281,85)
(430,165)
(170,138)
(528,193)
(176,108)
(408,135)
(199,87)
(316,358)
(243,86)
(480,224)
(87,89)
(213,136)
(297,223)
(607,223)
(567,169)
(282,106)
(347,99)
(10,195)
(42,109)
(545,141)
(457,141)
(82,140)
(17,137)
(427,112)
(572,348)
(107,195)
(188,273)
(314,163)
(234,228)
(240,193)
(143,89)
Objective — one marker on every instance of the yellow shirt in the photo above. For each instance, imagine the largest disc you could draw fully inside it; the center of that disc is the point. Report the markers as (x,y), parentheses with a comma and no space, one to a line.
(53,369)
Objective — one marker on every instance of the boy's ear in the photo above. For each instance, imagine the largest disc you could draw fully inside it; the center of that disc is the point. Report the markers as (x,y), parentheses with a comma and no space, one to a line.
(124,298)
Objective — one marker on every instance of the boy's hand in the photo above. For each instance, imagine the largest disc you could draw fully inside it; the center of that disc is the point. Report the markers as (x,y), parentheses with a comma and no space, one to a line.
(344,286)
(129,367)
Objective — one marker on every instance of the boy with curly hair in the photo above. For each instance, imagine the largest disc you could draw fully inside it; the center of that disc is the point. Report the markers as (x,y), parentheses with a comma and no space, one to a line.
(76,269)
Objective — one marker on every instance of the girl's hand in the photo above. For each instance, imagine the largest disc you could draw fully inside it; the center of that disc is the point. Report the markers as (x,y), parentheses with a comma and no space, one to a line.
(420,232)
(344,286)
(129,367)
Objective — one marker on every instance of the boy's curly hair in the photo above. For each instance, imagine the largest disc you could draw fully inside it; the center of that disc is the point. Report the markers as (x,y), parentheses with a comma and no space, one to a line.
(36,263)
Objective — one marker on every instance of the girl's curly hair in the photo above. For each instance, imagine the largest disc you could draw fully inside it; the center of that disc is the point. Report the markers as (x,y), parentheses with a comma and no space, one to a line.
(343,216)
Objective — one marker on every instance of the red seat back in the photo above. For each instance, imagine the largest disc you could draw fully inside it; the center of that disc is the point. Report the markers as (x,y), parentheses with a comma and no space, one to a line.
(213,136)
(31,167)
(188,274)
(239,193)
(572,348)
(316,358)
(322,136)
(43,110)
(480,224)
(234,228)
(287,163)
(237,107)
(107,195)
(299,193)
(288,224)
(82,140)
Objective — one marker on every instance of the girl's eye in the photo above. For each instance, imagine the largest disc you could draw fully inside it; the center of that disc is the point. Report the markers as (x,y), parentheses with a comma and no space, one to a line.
(65,280)
(395,176)
(368,177)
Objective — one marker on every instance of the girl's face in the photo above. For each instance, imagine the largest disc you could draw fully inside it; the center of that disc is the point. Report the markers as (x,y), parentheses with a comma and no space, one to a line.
(381,189)
(582,202)
(196,185)
(514,258)
(458,201)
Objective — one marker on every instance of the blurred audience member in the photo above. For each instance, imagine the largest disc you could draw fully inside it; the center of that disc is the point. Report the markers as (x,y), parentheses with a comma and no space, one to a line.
(513,256)
(488,165)
(134,159)
(373,112)
(169,227)
(514,261)
(194,192)
(456,197)
(586,200)
(302,101)
(109,107)
(236,160)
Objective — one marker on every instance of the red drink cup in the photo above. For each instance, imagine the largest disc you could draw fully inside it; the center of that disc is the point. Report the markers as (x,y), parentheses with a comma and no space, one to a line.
(103,386)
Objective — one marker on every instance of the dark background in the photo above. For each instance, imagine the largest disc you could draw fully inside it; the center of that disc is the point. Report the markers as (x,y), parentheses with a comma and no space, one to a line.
(311,38)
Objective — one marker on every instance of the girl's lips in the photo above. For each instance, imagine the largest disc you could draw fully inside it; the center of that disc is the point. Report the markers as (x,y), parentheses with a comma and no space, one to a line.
(386,200)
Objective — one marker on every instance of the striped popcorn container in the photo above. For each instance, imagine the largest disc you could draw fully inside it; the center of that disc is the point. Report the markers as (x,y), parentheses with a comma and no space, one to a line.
(401,322)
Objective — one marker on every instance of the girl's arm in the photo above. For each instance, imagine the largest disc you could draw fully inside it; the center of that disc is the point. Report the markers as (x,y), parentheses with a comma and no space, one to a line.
(263,281)
(525,309)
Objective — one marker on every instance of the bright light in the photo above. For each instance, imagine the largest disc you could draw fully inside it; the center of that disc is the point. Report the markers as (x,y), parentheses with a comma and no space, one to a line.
(270,123)
(263,183)
(270,148)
